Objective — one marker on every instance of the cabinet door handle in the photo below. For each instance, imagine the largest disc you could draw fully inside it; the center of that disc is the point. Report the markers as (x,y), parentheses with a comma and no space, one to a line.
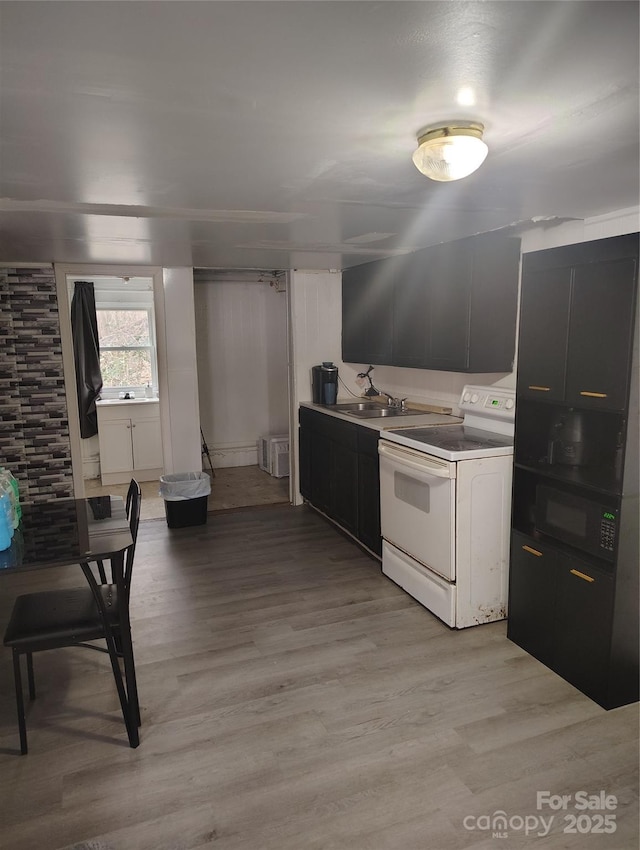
(540,389)
(594,395)
(532,551)
(581,575)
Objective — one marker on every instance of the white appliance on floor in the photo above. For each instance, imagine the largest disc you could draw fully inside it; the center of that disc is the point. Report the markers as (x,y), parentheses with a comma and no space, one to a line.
(445,505)
(273,455)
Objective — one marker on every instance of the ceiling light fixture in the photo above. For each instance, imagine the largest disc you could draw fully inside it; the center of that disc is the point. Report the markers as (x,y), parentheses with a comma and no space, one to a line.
(451,151)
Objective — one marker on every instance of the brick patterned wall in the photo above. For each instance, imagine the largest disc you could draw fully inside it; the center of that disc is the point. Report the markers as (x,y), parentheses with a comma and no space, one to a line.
(34,427)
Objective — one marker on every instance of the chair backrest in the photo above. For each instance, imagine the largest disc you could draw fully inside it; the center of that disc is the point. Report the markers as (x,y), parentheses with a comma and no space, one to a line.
(133,504)
(134,490)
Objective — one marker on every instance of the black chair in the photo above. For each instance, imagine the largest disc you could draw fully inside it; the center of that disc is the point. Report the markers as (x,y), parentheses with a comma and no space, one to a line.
(62,618)
(133,487)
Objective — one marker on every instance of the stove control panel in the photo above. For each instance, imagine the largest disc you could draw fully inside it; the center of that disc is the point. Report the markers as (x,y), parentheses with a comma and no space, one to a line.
(490,402)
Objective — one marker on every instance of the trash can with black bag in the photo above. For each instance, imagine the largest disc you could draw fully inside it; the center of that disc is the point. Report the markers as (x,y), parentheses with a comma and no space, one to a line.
(185,497)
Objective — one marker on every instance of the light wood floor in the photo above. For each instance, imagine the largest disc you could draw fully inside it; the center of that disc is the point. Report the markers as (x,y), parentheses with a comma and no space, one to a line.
(293,698)
(231,487)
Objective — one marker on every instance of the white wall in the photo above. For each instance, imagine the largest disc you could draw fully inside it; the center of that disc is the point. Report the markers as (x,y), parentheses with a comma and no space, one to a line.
(424,386)
(315,308)
(178,372)
(241,343)
(316,321)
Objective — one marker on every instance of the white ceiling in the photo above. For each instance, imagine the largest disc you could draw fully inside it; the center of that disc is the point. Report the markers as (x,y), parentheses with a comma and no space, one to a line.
(279,135)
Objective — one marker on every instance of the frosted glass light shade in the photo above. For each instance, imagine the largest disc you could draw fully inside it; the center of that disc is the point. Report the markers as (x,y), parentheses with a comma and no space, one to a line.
(450,153)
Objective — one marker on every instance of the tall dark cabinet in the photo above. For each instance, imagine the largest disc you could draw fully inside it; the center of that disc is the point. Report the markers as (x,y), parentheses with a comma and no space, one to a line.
(573,589)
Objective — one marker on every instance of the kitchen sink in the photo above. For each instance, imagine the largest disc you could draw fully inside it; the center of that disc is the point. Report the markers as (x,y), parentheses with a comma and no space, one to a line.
(383,411)
(359,405)
(373,410)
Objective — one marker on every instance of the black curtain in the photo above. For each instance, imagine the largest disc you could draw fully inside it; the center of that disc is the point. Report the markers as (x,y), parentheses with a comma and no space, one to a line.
(86,350)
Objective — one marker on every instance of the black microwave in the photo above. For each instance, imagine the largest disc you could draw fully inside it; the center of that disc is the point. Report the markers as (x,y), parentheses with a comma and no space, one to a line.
(588,524)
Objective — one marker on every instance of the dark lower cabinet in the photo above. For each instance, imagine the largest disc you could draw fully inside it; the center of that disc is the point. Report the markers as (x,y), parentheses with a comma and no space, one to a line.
(343,485)
(584,610)
(561,611)
(321,450)
(339,473)
(531,597)
(304,461)
(369,490)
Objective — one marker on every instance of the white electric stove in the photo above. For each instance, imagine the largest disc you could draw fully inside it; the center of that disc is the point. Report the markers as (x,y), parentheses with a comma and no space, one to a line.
(445,502)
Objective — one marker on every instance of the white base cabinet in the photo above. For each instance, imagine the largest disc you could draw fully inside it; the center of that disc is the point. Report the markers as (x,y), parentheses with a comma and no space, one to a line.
(130,441)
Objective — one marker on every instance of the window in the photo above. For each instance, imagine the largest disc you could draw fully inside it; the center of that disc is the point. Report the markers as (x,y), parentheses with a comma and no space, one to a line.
(126,332)
(127,356)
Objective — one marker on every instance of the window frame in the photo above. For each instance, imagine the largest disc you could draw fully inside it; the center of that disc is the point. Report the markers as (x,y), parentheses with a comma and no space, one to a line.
(114,392)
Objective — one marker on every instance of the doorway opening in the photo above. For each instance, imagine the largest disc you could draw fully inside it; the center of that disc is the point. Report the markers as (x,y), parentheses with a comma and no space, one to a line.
(242,362)
(129,305)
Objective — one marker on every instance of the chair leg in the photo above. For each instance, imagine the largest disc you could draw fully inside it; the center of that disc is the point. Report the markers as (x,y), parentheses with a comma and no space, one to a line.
(22,723)
(101,572)
(134,694)
(30,676)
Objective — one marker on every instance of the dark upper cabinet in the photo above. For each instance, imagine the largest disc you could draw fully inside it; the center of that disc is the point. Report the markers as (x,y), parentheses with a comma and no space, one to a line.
(367,312)
(473,285)
(447,274)
(600,334)
(544,325)
(411,304)
(450,307)
(493,302)
(576,323)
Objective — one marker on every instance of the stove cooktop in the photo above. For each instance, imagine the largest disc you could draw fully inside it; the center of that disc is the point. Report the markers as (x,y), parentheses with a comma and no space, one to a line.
(454,442)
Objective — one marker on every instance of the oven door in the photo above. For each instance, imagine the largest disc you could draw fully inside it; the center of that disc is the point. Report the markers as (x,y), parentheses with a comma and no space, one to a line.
(417,506)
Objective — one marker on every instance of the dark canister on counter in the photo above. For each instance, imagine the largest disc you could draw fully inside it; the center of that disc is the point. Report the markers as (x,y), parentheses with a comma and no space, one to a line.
(324,383)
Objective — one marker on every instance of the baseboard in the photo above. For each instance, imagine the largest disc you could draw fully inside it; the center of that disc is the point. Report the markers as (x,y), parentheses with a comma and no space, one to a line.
(234,454)
(125,477)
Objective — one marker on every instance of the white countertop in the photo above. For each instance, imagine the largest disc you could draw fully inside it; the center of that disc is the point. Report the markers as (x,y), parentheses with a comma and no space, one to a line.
(108,402)
(384,423)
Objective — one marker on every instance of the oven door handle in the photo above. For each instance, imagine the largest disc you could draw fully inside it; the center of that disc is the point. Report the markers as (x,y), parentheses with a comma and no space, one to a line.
(417,460)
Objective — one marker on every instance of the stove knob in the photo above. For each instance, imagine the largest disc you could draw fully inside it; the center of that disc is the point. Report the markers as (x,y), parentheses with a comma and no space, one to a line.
(466,397)
(474,398)
(509,403)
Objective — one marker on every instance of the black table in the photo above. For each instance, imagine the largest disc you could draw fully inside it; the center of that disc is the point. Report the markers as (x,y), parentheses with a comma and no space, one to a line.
(76,531)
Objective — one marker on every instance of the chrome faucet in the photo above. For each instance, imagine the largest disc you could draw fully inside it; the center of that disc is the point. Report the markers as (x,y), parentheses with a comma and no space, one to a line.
(397,403)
